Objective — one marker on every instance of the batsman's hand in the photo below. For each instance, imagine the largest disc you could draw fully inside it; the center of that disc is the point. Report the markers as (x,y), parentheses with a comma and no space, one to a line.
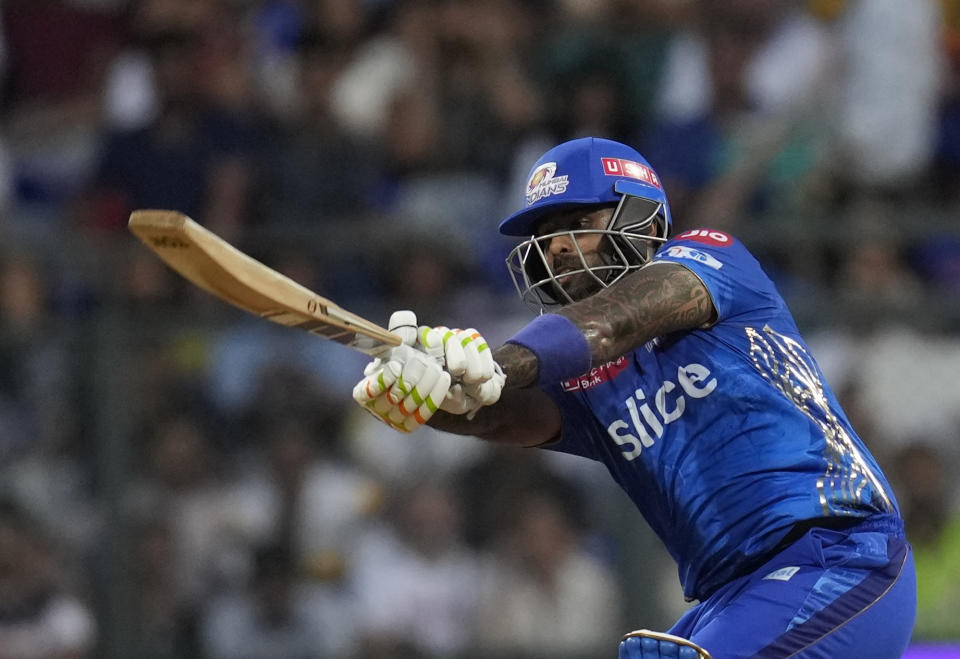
(407,387)
(477,379)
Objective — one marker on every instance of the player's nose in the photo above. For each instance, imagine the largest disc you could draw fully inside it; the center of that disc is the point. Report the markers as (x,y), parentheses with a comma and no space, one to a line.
(560,244)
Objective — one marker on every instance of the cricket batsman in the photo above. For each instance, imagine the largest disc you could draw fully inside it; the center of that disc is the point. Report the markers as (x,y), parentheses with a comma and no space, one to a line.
(675,362)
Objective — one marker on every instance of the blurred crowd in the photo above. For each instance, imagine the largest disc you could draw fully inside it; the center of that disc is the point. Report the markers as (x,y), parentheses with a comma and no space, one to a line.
(179,480)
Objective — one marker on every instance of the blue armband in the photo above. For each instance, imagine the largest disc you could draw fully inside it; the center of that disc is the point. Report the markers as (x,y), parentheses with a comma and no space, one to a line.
(561,348)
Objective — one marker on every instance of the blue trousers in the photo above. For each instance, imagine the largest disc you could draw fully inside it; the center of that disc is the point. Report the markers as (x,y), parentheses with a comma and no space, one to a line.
(850,593)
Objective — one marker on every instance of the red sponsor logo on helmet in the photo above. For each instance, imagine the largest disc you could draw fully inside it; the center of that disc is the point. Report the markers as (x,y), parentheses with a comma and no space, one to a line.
(630,169)
(707,237)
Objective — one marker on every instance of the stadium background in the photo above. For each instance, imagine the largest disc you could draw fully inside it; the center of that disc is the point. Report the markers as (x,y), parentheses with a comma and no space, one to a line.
(177,480)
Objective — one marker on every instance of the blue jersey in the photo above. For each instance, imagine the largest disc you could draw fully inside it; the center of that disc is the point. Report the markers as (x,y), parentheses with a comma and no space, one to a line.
(723,437)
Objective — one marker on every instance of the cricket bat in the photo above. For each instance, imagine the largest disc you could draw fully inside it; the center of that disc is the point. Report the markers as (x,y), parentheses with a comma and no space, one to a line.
(218,267)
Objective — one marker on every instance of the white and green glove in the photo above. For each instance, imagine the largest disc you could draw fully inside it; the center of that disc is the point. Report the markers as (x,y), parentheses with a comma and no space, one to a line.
(435,368)
(477,379)
(407,388)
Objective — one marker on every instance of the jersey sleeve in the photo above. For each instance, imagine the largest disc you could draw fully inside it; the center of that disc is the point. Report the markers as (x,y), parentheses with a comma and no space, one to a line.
(733,277)
(575,418)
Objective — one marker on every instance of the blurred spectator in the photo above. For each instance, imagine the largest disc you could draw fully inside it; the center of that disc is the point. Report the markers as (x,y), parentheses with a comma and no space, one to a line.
(279,616)
(416,581)
(946,168)
(184,482)
(405,458)
(381,67)
(384,647)
(250,356)
(312,172)
(52,109)
(885,119)
(603,63)
(305,496)
(895,369)
(6,177)
(730,138)
(40,615)
(6,170)
(546,595)
(448,132)
(41,428)
(515,471)
(936,259)
(147,286)
(164,623)
(191,157)
(24,296)
(873,269)
(928,496)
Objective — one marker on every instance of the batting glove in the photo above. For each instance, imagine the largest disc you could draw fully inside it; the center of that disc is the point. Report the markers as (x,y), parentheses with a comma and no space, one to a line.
(645,644)
(465,353)
(477,379)
(405,389)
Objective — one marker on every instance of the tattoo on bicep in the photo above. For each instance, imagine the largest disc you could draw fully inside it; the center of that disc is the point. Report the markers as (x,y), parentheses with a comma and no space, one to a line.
(644,305)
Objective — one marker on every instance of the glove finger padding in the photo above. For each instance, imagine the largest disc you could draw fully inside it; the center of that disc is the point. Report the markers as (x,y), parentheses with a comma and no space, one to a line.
(465,353)
(380,377)
(478,356)
(455,361)
(488,392)
(418,375)
(469,398)
(458,401)
(418,389)
(405,389)
(415,410)
(433,342)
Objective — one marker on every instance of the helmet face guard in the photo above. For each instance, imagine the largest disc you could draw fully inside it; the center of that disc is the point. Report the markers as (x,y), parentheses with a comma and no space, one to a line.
(638,226)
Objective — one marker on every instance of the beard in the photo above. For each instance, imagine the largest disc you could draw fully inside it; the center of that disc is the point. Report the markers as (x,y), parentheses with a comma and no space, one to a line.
(575,281)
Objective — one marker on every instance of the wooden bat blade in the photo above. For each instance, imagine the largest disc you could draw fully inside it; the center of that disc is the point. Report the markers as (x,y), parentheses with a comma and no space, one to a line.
(218,267)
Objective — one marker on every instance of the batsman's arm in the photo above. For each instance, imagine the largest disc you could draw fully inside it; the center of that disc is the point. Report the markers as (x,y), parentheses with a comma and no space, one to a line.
(521,417)
(659,299)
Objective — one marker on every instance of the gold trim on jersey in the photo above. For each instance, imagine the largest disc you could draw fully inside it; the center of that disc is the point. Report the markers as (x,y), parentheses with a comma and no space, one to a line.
(786,364)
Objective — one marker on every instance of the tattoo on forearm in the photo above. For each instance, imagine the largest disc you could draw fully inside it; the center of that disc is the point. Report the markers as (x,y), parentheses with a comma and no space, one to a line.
(644,305)
(649,303)
(519,365)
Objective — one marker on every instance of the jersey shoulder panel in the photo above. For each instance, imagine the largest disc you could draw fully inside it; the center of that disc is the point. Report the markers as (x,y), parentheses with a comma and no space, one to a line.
(732,275)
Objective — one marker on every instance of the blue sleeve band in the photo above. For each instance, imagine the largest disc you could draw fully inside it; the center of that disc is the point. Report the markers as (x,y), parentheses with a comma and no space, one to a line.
(561,348)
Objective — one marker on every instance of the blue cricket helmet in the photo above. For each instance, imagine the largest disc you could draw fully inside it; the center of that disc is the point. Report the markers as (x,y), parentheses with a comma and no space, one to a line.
(589,172)
(585,172)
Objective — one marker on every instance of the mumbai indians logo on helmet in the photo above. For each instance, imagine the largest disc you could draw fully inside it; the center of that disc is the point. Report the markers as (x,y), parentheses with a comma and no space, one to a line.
(543,183)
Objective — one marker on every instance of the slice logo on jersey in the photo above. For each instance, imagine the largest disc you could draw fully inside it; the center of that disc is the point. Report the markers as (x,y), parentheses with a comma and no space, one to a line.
(648,416)
(681,252)
(596,376)
(707,237)
(544,183)
(630,169)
